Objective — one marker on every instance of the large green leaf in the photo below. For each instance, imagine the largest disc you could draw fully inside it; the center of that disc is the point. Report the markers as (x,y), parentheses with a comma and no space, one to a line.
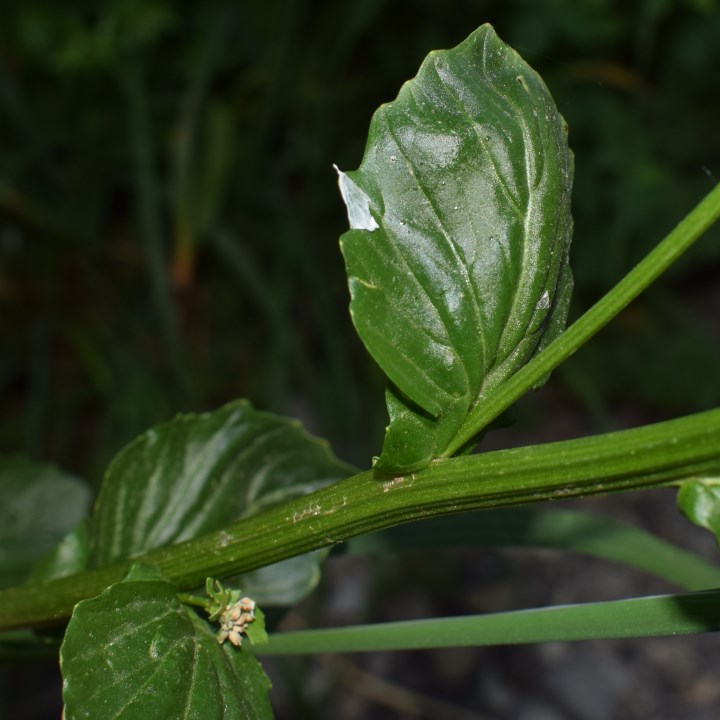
(39,504)
(457,255)
(199,473)
(136,652)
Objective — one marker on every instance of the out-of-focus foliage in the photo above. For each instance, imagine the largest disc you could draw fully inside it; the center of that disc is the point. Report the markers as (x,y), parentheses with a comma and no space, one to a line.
(169,213)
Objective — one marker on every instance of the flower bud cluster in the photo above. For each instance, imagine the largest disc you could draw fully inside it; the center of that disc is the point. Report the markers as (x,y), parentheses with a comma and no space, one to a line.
(235,619)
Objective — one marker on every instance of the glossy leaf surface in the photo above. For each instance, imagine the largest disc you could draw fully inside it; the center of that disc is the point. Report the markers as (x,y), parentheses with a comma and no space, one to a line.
(199,473)
(699,501)
(136,652)
(467,176)
(39,504)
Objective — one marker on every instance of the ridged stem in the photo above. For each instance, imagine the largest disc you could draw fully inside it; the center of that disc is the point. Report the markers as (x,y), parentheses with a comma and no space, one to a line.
(650,456)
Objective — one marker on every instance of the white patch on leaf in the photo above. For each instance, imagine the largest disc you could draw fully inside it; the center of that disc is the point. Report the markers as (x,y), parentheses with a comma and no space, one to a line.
(357,203)
(544,301)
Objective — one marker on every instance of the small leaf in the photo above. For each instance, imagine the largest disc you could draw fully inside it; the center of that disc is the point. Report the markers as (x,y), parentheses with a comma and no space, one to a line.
(136,652)
(699,501)
(39,504)
(678,614)
(199,473)
(467,176)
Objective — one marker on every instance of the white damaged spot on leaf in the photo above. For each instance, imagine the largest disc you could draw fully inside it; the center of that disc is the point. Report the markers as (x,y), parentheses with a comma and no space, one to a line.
(357,203)
(544,302)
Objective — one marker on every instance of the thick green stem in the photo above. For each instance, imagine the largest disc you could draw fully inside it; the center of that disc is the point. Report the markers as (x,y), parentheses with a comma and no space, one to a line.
(638,279)
(650,456)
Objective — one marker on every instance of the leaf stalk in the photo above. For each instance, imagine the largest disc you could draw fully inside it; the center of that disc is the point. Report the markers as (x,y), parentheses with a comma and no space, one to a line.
(705,214)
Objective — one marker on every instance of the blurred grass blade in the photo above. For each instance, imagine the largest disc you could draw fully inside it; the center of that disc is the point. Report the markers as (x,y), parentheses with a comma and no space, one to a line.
(558,529)
(637,617)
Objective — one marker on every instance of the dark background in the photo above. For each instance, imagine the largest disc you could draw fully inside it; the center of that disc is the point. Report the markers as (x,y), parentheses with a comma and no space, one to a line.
(168,241)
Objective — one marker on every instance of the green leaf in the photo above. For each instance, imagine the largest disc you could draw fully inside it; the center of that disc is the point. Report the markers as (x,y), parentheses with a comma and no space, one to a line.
(457,255)
(136,652)
(199,473)
(699,501)
(637,617)
(39,504)
(558,529)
